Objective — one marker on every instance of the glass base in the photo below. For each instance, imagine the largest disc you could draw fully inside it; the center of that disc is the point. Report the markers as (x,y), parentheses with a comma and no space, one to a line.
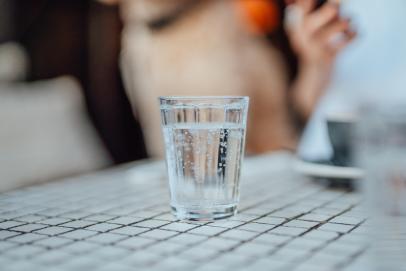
(208,214)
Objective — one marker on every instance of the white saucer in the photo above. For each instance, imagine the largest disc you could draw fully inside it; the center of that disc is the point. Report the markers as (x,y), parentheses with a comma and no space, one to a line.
(319,170)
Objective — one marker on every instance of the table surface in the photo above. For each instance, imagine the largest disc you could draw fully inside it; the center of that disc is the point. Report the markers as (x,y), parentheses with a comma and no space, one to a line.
(119,219)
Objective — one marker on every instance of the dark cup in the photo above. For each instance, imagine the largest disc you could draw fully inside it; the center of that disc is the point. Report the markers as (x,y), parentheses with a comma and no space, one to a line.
(340,131)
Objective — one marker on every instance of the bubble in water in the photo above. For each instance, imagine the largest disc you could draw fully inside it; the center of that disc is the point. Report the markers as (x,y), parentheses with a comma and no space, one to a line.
(199,153)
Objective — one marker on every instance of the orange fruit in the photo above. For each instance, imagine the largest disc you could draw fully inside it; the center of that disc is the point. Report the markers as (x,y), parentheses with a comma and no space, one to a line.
(261,16)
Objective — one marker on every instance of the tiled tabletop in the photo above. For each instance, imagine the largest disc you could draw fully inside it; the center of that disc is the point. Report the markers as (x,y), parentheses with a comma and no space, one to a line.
(119,219)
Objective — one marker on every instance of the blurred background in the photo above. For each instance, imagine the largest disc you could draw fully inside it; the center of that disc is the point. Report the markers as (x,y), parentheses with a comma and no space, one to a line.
(80,39)
(64,109)
(62,103)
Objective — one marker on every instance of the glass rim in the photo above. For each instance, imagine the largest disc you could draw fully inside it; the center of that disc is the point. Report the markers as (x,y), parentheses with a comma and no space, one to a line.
(172,98)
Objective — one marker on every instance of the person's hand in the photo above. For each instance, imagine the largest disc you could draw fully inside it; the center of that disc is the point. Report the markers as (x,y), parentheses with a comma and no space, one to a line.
(317,35)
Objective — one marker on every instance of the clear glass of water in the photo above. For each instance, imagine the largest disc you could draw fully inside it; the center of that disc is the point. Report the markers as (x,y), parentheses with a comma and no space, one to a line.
(204,141)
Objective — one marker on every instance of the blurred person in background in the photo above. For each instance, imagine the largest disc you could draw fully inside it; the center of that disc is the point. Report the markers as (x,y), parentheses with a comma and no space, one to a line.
(373,70)
(241,47)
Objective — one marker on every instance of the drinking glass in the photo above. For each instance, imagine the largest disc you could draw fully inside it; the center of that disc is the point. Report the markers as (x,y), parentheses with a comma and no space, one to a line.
(204,142)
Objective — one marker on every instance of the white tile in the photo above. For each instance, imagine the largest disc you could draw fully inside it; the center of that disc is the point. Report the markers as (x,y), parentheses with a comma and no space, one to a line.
(75,214)
(151,223)
(4,234)
(207,230)
(14,265)
(272,239)
(220,243)
(52,212)
(301,224)
(114,266)
(55,221)
(198,254)
(166,248)
(179,227)
(53,230)
(100,218)
(126,220)
(341,228)
(287,213)
(243,217)
(82,262)
(269,264)
(256,211)
(4,245)
(290,254)
(158,234)
(145,214)
(27,238)
(354,239)
(135,242)
(256,227)
(167,217)
(328,211)
(324,235)
(29,227)
(78,234)
(24,251)
(327,260)
(31,218)
(10,215)
(232,261)
(315,217)
(6,262)
(239,235)
(314,267)
(53,242)
(306,243)
(141,258)
(110,253)
(80,247)
(106,238)
(103,227)
(228,224)
(270,220)
(342,248)
(52,257)
(212,266)
(347,220)
(78,224)
(188,239)
(130,230)
(253,249)
(10,224)
(199,223)
(290,231)
(173,263)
